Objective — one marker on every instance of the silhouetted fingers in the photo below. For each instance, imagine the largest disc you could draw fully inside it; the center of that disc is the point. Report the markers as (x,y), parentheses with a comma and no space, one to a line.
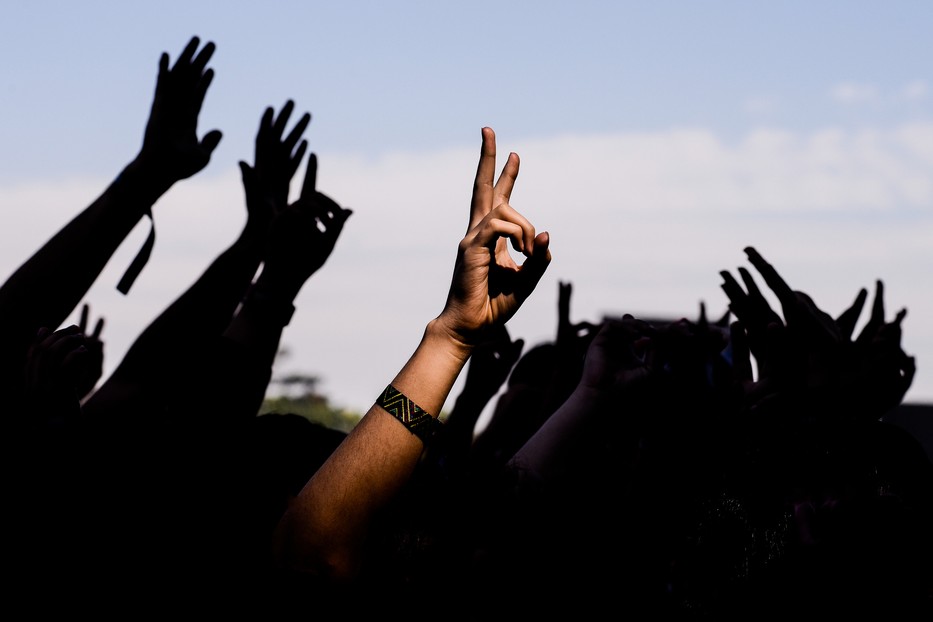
(774,280)
(278,126)
(204,56)
(82,323)
(735,294)
(877,307)
(201,93)
(296,158)
(297,131)
(187,54)
(210,141)
(876,319)
(98,329)
(61,342)
(163,70)
(308,187)
(751,287)
(564,290)
(849,318)
(265,126)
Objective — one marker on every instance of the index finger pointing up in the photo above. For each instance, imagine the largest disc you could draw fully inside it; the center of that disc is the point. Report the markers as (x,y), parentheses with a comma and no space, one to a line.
(483,188)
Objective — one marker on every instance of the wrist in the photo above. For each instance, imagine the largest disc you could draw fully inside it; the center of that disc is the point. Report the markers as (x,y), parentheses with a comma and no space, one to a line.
(269,304)
(591,395)
(143,177)
(450,342)
(278,284)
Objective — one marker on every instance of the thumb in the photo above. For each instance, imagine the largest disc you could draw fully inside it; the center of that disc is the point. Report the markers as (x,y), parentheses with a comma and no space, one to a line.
(248,174)
(211,140)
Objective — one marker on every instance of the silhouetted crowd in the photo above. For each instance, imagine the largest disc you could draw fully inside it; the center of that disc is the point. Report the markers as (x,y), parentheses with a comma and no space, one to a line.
(693,469)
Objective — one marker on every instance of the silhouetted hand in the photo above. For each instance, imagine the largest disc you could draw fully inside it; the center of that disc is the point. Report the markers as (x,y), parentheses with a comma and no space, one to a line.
(619,357)
(616,373)
(267,182)
(796,350)
(55,366)
(488,287)
(571,337)
(491,362)
(171,148)
(884,366)
(93,367)
(809,349)
(303,235)
(756,316)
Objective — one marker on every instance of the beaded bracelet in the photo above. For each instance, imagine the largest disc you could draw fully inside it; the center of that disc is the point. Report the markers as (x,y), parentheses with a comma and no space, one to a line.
(412,416)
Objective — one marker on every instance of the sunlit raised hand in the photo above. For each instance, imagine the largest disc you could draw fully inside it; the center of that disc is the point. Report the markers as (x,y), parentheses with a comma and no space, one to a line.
(488,286)
(171,148)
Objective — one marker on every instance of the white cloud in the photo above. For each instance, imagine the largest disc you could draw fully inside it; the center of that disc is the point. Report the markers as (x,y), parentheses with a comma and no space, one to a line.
(853,92)
(640,222)
(849,93)
(916,90)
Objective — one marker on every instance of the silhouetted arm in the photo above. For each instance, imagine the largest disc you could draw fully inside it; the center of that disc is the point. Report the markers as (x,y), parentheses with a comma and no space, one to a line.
(300,240)
(611,372)
(172,348)
(45,289)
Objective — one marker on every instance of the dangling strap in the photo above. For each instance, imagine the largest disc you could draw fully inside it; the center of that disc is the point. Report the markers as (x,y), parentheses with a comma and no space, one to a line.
(139,262)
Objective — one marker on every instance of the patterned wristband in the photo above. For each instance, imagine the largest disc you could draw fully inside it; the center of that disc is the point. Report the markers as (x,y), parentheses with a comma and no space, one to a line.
(412,416)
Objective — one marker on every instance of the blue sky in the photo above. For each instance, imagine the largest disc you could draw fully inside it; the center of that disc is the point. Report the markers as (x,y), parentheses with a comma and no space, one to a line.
(386,76)
(657,140)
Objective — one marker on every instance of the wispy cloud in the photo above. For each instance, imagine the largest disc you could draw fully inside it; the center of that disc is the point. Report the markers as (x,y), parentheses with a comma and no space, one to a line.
(853,92)
(917,90)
